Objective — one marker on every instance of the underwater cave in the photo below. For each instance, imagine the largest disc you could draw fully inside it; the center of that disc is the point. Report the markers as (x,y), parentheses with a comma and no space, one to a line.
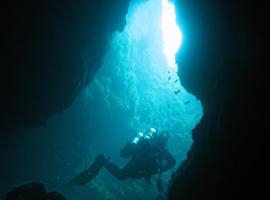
(87,78)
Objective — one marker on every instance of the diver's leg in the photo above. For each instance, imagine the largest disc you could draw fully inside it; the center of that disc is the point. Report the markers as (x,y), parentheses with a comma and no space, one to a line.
(90,173)
(116,171)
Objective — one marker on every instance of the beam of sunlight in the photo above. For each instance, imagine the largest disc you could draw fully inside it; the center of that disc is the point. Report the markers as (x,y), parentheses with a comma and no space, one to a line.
(171,35)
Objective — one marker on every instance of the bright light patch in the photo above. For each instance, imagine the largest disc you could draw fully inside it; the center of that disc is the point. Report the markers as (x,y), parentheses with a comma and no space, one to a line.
(147,137)
(135,140)
(172,37)
(152,129)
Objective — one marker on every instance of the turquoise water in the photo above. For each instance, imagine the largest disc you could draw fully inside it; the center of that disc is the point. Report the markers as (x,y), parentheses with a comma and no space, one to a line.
(136,88)
(136,81)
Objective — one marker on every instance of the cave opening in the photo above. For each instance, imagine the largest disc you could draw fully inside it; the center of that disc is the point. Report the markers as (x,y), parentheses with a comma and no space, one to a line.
(138,86)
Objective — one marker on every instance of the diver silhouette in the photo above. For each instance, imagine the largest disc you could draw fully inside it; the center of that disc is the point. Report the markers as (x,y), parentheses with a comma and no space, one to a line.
(148,156)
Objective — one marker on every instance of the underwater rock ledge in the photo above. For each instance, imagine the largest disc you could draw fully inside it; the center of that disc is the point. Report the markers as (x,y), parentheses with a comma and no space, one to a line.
(50,51)
(33,191)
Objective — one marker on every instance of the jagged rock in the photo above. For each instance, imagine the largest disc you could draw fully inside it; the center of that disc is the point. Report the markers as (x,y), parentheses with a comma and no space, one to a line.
(50,51)
(33,191)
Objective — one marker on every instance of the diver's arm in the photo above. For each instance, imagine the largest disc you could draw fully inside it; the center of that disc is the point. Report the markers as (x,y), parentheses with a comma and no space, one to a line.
(170,160)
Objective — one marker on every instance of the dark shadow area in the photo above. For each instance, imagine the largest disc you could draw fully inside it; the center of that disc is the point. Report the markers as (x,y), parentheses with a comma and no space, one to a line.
(223,61)
(50,51)
(33,191)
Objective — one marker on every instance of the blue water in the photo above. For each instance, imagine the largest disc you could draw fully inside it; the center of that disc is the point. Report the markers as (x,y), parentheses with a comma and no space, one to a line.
(135,89)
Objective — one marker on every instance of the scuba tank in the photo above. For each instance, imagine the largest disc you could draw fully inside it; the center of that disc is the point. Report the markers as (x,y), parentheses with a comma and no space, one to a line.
(148,135)
(131,147)
(138,138)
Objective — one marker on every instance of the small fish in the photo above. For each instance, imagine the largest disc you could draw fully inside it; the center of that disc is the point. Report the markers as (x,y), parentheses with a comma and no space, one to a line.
(177,91)
(169,72)
(169,78)
(176,81)
(187,102)
(196,116)
(168,105)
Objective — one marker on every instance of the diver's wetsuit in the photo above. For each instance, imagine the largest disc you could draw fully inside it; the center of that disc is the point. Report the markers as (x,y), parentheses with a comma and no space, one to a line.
(147,161)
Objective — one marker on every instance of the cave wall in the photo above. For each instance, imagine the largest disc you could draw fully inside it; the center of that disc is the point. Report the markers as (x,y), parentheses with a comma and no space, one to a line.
(223,62)
(50,51)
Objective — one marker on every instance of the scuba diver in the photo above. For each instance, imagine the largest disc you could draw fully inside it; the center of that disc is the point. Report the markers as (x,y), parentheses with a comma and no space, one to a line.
(148,156)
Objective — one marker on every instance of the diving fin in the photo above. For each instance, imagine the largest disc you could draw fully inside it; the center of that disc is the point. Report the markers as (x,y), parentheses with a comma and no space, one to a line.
(89,174)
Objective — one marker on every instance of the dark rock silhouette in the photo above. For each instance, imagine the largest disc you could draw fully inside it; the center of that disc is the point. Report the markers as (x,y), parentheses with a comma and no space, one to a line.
(223,63)
(33,191)
(49,51)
